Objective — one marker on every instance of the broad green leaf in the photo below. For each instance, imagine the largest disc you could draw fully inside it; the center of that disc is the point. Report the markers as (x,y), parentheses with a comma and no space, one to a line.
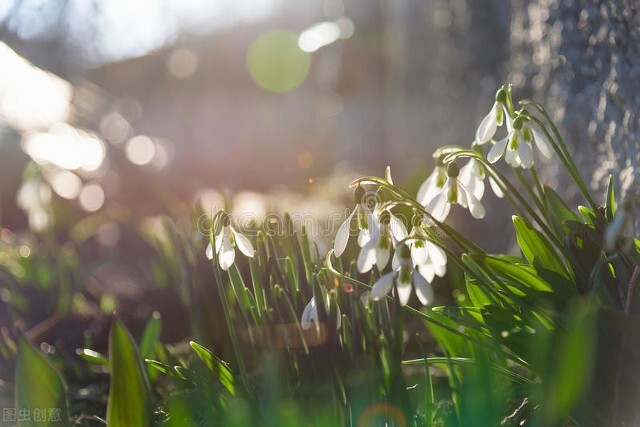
(557,211)
(38,388)
(150,336)
(524,276)
(129,393)
(537,250)
(215,365)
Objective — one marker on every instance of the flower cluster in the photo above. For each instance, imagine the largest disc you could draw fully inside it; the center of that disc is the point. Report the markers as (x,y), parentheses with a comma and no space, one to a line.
(417,257)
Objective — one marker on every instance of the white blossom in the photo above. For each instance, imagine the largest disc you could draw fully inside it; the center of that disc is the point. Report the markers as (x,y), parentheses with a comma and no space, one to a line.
(224,243)
(405,277)
(310,312)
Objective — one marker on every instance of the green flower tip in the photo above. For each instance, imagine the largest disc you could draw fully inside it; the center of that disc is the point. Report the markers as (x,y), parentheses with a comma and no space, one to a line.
(453,170)
(501,95)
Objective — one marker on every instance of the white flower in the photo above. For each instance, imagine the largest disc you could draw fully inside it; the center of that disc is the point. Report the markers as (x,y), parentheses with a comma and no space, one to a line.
(310,312)
(516,146)
(384,231)
(472,177)
(453,191)
(403,276)
(487,128)
(429,258)
(364,222)
(433,184)
(224,244)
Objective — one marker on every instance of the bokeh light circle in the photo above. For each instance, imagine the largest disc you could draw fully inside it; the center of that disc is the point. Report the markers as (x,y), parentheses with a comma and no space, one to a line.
(276,62)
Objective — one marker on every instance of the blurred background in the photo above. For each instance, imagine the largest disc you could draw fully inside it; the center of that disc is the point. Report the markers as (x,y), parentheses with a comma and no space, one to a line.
(137,104)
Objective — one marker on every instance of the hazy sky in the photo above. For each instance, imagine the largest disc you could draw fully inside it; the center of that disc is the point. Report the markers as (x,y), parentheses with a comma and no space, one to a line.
(107,30)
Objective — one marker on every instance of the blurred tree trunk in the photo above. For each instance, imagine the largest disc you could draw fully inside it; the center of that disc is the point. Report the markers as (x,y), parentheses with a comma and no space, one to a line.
(581,58)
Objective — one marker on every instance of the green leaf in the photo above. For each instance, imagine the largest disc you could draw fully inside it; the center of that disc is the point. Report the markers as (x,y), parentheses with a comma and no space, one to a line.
(150,336)
(524,276)
(573,361)
(215,365)
(129,396)
(92,356)
(557,210)
(39,387)
(537,250)
(610,203)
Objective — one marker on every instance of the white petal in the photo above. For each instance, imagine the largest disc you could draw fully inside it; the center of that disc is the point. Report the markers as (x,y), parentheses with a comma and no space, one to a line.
(383,285)
(462,194)
(363,237)
(428,188)
(526,154)
(382,257)
(470,177)
(497,150)
(475,207)
(404,291)
(227,254)
(395,260)
(488,126)
(398,229)
(508,119)
(342,236)
(338,317)
(496,187)
(367,256)
(439,270)
(218,239)
(427,271)
(436,254)
(209,251)
(424,291)
(439,207)
(419,254)
(309,315)
(542,143)
(512,158)
(244,244)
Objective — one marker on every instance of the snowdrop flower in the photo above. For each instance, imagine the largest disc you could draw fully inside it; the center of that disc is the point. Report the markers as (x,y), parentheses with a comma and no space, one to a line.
(621,226)
(433,184)
(472,176)
(403,276)
(310,312)
(385,231)
(516,146)
(487,128)
(365,218)
(453,191)
(224,242)
(429,258)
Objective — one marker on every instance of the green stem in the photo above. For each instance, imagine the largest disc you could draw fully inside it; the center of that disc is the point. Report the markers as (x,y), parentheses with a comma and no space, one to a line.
(563,153)
(229,323)
(425,316)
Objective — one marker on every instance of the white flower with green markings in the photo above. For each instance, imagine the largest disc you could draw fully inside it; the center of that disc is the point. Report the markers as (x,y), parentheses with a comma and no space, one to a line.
(405,278)
(386,230)
(490,123)
(453,192)
(225,241)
